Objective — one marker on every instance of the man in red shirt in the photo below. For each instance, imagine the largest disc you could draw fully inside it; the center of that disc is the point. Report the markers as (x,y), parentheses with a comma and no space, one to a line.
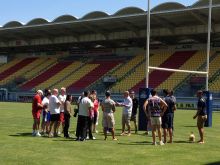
(36,111)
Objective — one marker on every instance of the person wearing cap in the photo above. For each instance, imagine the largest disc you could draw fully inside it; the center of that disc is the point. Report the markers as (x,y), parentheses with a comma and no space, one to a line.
(126,113)
(201,115)
(134,109)
(108,120)
(36,112)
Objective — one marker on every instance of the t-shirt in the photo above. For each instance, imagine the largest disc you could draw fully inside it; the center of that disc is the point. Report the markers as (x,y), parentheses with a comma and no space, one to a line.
(170,103)
(127,109)
(53,107)
(45,102)
(154,106)
(108,105)
(84,106)
(36,100)
(135,106)
(62,99)
(96,105)
(202,105)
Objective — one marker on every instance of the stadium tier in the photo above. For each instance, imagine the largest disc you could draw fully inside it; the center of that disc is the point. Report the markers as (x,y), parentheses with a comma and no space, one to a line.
(193,64)
(102,68)
(138,73)
(9,64)
(59,77)
(75,76)
(16,70)
(44,76)
(215,74)
(42,65)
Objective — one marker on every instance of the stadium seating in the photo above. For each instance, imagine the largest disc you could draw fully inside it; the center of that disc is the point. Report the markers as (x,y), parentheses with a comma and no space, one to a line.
(75,76)
(44,76)
(59,76)
(10,64)
(139,72)
(102,68)
(156,77)
(192,63)
(16,70)
(43,64)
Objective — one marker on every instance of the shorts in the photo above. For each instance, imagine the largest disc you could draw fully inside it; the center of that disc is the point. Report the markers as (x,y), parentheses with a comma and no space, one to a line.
(167,121)
(48,116)
(108,120)
(62,120)
(126,118)
(156,121)
(55,117)
(133,118)
(96,117)
(201,121)
(36,114)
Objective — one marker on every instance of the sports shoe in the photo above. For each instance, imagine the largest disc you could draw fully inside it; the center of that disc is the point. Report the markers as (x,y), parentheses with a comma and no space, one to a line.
(38,134)
(122,134)
(33,133)
(154,143)
(115,139)
(161,143)
(129,134)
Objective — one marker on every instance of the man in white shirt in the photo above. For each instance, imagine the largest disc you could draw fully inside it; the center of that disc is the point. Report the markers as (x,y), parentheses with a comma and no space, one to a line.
(126,113)
(85,106)
(54,108)
(62,99)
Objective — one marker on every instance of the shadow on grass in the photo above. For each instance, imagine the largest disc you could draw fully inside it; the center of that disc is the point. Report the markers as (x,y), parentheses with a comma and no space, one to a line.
(22,135)
(189,126)
(213,163)
(136,143)
(180,141)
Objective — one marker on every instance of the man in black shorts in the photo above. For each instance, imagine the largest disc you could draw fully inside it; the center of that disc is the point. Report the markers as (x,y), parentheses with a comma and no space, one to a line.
(201,115)
(134,109)
(167,119)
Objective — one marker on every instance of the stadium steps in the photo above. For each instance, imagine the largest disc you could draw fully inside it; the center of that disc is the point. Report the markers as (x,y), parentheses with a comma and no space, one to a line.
(156,77)
(102,68)
(10,64)
(75,76)
(15,70)
(192,64)
(59,76)
(44,76)
(45,64)
(180,88)
(137,73)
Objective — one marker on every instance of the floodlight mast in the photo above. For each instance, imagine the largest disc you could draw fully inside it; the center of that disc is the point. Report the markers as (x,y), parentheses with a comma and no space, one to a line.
(208,44)
(148,45)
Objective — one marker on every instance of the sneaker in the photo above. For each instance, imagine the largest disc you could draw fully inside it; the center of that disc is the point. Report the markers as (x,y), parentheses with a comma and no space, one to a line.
(33,134)
(122,134)
(87,138)
(93,138)
(96,131)
(59,133)
(161,143)
(154,143)
(115,139)
(129,134)
(38,134)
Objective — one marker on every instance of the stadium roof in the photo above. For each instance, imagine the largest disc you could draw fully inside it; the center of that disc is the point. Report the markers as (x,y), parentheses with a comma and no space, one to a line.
(171,22)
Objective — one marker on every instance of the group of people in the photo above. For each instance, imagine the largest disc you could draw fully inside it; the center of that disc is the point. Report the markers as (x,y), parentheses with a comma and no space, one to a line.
(57,111)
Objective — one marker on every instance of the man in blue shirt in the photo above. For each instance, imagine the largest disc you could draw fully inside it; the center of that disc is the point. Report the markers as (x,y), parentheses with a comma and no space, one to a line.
(201,115)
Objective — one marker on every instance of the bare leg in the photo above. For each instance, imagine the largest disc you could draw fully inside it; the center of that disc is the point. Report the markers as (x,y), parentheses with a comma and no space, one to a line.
(159,132)
(154,133)
(105,132)
(171,135)
(201,133)
(165,135)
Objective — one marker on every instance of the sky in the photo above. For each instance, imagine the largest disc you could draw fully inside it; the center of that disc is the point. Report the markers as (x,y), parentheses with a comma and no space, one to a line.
(26,10)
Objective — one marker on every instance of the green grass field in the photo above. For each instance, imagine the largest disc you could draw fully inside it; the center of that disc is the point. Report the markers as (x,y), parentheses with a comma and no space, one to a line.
(17,146)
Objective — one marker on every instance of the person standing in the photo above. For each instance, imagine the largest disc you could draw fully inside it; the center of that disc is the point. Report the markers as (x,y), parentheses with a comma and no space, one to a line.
(96,111)
(108,120)
(134,109)
(67,115)
(36,112)
(54,108)
(62,99)
(167,118)
(156,107)
(126,113)
(85,106)
(46,113)
(201,115)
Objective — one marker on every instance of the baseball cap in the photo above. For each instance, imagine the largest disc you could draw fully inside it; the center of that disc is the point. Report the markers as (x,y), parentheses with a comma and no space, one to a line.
(40,91)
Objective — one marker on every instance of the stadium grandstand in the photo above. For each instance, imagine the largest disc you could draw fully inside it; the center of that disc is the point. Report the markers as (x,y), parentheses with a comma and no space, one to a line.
(101,51)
